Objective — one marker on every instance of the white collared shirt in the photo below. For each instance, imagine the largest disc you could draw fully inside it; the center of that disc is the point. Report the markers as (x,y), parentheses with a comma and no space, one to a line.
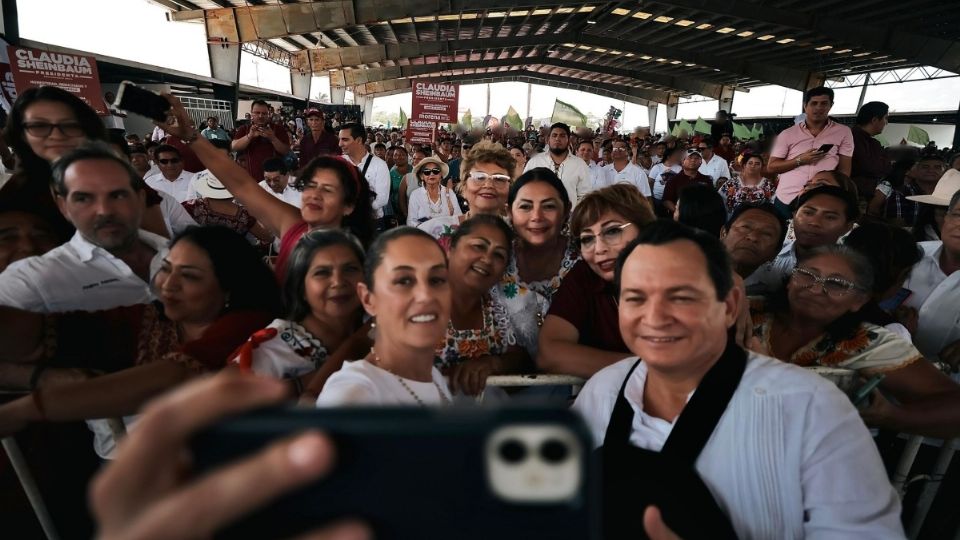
(597,177)
(935,297)
(78,276)
(179,188)
(573,172)
(716,168)
(631,174)
(771,275)
(378,176)
(659,182)
(288,195)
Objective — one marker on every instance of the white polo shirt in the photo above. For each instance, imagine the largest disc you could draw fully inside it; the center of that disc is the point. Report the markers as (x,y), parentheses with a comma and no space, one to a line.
(179,188)
(77,276)
(716,168)
(631,174)
(771,275)
(597,177)
(288,195)
(935,297)
(659,182)
(573,172)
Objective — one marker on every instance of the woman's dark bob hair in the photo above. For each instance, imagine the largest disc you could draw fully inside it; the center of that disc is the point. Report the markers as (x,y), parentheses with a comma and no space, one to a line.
(295,304)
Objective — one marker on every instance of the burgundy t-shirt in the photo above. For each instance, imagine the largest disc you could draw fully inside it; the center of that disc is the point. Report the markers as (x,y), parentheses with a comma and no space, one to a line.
(260,148)
(588,302)
(671,192)
(327,145)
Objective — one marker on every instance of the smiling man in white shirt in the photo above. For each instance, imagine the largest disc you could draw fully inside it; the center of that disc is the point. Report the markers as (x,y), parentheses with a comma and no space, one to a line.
(108,261)
(573,171)
(621,171)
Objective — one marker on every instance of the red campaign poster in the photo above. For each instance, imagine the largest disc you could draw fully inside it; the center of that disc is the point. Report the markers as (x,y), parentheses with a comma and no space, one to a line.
(435,101)
(420,131)
(74,73)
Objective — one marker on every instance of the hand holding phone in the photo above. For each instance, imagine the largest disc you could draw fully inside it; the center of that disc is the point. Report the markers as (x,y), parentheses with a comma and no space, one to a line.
(824,148)
(146,484)
(132,98)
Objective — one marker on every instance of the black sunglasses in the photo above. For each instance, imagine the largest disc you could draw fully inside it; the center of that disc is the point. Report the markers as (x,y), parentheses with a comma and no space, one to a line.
(429,171)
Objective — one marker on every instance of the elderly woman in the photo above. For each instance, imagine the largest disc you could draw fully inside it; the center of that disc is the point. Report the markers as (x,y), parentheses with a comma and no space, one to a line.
(334,193)
(406,289)
(213,291)
(697,433)
(321,305)
(480,339)
(486,176)
(818,321)
(579,334)
(543,252)
(432,199)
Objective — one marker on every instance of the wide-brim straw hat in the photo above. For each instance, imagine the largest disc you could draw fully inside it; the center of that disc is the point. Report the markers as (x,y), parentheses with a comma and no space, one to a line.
(432,160)
(948,184)
(207,186)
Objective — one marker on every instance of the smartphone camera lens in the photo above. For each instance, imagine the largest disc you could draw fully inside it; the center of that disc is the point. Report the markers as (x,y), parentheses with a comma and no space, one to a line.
(513,451)
(554,451)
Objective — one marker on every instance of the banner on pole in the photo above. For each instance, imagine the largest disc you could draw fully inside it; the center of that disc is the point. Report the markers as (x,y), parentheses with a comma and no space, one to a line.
(420,131)
(436,102)
(568,114)
(74,73)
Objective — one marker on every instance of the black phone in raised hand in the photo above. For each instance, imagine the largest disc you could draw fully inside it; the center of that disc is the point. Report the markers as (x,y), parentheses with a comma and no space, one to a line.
(132,98)
(824,148)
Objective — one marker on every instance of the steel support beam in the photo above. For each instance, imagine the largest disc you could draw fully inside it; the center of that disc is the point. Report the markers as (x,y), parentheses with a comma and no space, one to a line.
(390,88)
(223,46)
(652,117)
(281,20)
(357,76)
(923,49)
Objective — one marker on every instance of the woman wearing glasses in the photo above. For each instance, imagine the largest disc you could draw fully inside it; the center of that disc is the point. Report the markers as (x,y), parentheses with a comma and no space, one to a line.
(44,124)
(818,321)
(433,199)
(581,332)
(485,184)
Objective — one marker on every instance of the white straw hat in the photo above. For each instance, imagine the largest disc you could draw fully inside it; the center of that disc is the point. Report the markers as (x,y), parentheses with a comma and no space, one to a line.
(206,185)
(948,184)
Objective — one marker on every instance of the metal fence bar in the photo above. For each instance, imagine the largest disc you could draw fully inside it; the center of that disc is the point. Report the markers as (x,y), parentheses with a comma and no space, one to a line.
(931,487)
(30,487)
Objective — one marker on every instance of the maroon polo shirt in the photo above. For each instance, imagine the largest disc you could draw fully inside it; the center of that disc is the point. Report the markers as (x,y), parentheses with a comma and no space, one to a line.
(311,146)
(679,181)
(261,149)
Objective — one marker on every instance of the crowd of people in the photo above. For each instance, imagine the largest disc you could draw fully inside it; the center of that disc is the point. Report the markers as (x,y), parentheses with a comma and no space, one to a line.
(687,280)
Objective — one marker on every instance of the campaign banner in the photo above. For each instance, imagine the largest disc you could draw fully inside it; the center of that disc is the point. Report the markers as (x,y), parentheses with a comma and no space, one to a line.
(74,73)
(420,131)
(435,101)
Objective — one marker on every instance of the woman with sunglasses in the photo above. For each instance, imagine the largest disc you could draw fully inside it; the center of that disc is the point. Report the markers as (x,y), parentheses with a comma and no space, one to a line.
(432,199)
(818,321)
(581,332)
(485,184)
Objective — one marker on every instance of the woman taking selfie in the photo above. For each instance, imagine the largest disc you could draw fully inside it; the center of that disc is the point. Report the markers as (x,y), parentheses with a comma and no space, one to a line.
(321,309)
(543,253)
(580,335)
(406,290)
(334,193)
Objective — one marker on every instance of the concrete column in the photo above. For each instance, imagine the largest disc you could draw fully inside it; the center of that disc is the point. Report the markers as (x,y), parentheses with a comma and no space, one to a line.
(223,45)
(9,22)
(652,116)
(956,131)
(726,98)
(338,94)
(300,84)
(673,103)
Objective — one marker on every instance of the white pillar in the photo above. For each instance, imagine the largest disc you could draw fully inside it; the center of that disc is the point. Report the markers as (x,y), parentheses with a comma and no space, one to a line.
(338,94)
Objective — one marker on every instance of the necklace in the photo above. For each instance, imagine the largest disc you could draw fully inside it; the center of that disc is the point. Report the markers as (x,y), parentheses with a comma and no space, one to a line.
(443,397)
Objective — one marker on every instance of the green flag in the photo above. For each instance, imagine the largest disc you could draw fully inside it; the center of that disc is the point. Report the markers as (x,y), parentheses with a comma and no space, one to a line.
(702,126)
(467,120)
(882,140)
(918,136)
(676,129)
(757,131)
(741,132)
(568,114)
(513,118)
(403,119)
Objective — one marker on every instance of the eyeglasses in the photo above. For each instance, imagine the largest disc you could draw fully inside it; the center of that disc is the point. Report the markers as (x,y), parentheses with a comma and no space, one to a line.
(833,287)
(44,129)
(168,161)
(428,172)
(611,236)
(480,178)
